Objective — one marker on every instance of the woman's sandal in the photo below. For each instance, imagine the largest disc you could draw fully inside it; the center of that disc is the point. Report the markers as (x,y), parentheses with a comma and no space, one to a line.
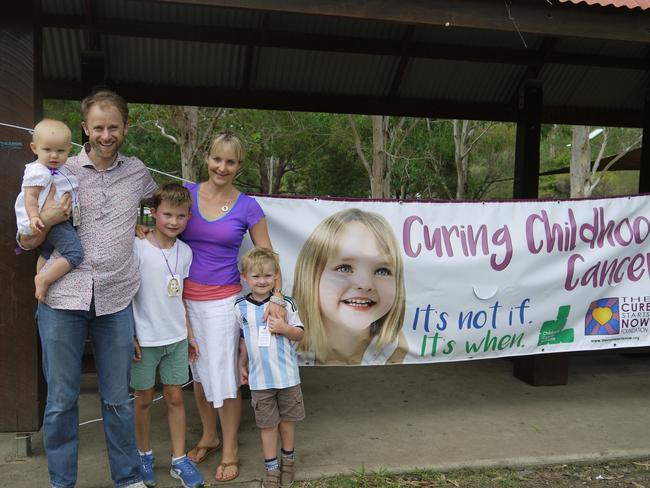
(223,467)
(207,450)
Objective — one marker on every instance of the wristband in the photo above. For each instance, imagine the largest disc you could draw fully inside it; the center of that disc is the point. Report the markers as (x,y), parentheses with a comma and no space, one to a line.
(278,301)
(192,341)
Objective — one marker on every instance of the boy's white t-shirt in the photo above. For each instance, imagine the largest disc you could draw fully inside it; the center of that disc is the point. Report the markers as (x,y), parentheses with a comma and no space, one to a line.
(159,318)
(37,174)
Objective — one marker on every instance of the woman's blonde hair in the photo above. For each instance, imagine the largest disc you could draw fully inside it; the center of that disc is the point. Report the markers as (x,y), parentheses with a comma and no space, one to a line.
(316,251)
(233,141)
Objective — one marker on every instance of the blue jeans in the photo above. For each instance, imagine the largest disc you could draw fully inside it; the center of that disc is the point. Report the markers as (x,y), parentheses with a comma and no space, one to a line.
(64,238)
(63,333)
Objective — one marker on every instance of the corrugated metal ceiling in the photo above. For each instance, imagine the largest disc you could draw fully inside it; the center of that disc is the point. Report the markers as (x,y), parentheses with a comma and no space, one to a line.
(291,54)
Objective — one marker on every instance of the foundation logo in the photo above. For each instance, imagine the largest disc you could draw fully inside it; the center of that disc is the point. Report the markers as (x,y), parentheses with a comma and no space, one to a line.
(603,317)
(553,331)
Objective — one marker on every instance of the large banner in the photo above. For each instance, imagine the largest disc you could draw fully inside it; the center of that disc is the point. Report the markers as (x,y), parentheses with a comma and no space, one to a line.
(409,282)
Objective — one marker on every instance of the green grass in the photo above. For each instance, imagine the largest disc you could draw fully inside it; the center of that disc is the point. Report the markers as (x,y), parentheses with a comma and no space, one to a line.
(615,474)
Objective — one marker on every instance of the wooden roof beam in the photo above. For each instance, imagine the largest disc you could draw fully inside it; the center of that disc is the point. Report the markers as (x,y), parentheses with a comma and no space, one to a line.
(532,16)
(327,43)
(314,102)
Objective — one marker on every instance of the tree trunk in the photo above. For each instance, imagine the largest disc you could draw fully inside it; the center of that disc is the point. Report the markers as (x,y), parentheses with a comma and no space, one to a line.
(270,174)
(380,175)
(580,162)
(462,133)
(379,168)
(186,121)
(552,149)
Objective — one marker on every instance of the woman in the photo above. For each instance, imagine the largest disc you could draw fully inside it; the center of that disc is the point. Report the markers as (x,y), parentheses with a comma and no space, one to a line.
(221,215)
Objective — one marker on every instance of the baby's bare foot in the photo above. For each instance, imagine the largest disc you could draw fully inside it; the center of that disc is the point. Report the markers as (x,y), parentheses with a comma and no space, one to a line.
(41,287)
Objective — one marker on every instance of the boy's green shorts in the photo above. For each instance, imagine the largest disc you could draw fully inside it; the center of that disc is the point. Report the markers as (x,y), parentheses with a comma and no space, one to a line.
(170,360)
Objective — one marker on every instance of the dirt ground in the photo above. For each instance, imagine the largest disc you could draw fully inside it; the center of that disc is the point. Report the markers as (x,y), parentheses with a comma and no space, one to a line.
(619,474)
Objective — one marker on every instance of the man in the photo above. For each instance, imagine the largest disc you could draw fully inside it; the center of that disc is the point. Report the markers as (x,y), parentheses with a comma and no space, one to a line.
(94,300)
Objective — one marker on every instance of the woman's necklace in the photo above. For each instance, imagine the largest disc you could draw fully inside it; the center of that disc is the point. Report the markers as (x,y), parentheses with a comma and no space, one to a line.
(226,206)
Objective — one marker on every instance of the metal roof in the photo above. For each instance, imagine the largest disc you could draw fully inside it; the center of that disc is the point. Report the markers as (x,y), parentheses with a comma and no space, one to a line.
(642,4)
(466,59)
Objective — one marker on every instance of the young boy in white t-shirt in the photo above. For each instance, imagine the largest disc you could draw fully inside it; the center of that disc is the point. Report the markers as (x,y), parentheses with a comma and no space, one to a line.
(163,336)
(268,363)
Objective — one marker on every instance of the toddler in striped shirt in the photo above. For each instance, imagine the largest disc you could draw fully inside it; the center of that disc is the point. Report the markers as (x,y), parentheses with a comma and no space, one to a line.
(268,363)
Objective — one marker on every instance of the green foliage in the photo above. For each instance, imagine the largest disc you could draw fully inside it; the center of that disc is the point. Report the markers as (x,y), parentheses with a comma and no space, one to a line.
(555,153)
(337,174)
(492,167)
(147,143)
(317,154)
(67,111)
(425,168)
(610,474)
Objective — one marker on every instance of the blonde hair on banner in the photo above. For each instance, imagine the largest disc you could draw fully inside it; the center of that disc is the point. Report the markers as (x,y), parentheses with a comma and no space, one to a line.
(321,246)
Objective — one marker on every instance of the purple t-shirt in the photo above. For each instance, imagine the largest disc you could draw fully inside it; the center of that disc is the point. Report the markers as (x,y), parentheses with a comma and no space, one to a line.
(215,243)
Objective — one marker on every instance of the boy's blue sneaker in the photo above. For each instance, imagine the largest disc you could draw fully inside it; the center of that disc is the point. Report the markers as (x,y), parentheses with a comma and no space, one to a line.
(146,470)
(185,471)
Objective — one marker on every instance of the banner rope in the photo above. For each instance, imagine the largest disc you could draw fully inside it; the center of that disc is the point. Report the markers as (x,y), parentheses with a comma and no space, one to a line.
(132,398)
(31,131)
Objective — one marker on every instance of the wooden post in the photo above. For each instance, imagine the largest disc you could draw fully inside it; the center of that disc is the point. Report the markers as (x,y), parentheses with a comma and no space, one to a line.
(644,173)
(21,384)
(542,369)
(529,125)
(93,76)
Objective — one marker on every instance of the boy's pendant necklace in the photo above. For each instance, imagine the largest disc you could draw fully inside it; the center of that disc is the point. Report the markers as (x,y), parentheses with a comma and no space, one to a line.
(173,281)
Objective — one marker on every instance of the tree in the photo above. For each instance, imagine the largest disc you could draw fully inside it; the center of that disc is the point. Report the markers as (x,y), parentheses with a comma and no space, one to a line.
(193,128)
(585,177)
(425,167)
(387,140)
(463,133)
(279,144)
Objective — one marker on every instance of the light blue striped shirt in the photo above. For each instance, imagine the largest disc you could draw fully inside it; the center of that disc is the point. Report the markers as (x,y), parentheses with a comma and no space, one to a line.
(272,367)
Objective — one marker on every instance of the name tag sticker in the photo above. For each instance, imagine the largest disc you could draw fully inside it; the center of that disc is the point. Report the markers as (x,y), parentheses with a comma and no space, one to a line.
(263,337)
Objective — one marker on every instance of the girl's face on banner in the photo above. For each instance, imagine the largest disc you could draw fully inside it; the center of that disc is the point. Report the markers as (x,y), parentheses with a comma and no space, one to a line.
(357,286)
